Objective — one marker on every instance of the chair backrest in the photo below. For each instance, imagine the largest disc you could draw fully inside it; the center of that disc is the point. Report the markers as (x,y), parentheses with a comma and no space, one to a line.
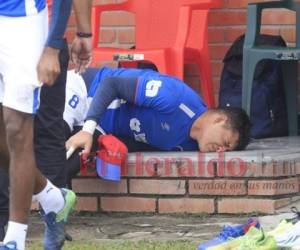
(197,33)
(255,15)
(157,22)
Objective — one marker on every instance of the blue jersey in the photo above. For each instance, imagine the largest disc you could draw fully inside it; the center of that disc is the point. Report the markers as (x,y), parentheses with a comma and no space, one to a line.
(17,8)
(162,115)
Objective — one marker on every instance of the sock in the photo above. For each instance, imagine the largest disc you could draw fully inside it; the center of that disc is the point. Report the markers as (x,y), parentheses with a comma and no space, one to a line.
(16,232)
(50,198)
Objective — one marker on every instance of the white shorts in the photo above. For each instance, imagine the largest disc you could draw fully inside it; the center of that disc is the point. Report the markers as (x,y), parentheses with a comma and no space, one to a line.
(22,41)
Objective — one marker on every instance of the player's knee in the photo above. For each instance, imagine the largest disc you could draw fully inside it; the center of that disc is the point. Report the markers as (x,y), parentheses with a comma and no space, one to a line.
(18,130)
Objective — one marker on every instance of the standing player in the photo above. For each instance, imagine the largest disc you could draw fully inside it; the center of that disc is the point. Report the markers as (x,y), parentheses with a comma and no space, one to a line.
(20,52)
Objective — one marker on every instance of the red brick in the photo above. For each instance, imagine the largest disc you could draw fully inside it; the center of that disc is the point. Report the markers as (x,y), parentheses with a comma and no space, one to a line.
(241,4)
(278,16)
(186,205)
(288,34)
(256,165)
(244,205)
(142,165)
(126,36)
(87,204)
(273,187)
(107,36)
(128,204)
(216,35)
(217,187)
(233,32)
(217,67)
(224,18)
(187,165)
(157,186)
(216,82)
(194,83)
(274,30)
(167,165)
(117,18)
(218,51)
(271,169)
(96,185)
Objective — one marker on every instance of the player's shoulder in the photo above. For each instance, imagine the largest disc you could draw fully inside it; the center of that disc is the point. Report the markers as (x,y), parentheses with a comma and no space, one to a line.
(75,83)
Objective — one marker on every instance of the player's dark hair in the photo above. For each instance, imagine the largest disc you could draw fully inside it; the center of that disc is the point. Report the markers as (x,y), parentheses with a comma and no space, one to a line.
(238,121)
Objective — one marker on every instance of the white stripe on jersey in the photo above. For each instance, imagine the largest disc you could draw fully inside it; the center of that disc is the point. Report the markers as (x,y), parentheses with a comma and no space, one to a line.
(187,110)
(30,7)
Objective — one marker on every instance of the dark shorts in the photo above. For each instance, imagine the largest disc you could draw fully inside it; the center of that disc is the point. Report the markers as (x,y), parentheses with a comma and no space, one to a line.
(49,137)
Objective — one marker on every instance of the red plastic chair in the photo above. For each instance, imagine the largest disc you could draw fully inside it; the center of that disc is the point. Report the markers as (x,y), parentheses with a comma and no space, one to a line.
(168,33)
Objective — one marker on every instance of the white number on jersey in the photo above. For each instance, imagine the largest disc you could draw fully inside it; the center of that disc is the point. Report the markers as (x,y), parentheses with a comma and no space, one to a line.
(152,88)
(135,125)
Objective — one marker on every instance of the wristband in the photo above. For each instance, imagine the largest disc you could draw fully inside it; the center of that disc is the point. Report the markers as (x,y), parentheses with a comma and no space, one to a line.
(84,35)
(89,126)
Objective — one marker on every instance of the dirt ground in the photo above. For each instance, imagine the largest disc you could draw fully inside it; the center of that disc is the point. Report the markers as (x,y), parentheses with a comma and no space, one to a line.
(150,227)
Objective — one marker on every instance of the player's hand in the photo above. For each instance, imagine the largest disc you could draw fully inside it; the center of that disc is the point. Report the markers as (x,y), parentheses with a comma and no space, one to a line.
(48,67)
(81,53)
(82,139)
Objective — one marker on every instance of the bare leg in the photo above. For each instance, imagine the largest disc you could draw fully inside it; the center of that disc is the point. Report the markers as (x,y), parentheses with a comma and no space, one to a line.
(24,175)
(4,157)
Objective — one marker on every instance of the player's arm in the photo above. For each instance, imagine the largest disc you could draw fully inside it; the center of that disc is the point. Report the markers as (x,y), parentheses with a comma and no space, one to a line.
(49,67)
(81,49)
(109,89)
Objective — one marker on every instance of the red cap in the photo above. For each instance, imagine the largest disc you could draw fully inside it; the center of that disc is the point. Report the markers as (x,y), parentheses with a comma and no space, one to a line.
(112,150)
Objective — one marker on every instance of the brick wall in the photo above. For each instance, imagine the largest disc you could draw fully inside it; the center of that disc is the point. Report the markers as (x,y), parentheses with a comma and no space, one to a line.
(193,183)
(225,25)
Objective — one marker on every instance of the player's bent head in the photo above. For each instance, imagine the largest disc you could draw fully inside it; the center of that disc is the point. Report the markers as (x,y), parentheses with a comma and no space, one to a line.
(238,121)
(223,129)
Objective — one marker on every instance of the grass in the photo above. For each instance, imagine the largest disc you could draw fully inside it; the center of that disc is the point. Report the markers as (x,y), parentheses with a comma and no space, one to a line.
(123,245)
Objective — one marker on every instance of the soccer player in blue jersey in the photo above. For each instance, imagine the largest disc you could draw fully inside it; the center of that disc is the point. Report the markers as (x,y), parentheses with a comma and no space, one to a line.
(158,110)
(28,56)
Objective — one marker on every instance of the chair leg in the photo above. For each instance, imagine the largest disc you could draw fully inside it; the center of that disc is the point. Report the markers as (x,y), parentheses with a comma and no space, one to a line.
(206,81)
(290,76)
(249,65)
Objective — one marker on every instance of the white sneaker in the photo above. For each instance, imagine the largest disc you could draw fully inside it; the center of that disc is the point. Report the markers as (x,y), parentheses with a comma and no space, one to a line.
(290,238)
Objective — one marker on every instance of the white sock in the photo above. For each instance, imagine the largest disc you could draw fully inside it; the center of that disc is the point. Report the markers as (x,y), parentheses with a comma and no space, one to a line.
(16,232)
(50,198)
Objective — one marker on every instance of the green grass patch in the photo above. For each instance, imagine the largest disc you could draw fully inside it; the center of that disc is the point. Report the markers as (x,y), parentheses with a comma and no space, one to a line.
(123,245)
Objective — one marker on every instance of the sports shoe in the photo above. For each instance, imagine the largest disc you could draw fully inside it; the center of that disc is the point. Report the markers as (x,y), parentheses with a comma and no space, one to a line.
(54,237)
(283,227)
(256,239)
(290,238)
(297,216)
(12,245)
(228,233)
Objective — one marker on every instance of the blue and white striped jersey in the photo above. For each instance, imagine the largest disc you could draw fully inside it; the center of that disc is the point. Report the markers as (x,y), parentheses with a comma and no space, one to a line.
(18,8)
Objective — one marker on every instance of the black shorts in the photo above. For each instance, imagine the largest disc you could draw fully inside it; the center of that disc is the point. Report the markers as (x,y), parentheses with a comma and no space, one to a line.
(49,137)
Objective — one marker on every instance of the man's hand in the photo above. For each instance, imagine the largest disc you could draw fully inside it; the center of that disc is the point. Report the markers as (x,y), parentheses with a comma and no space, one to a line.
(81,53)
(82,139)
(48,67)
